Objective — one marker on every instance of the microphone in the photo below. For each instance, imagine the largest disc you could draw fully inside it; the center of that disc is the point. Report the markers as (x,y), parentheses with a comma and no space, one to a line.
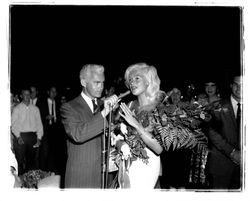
(122,95)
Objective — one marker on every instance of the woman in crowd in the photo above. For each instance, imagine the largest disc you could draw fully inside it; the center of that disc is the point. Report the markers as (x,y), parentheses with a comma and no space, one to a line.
(211,90)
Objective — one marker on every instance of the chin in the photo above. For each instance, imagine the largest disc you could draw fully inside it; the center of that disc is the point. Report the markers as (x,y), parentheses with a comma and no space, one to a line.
(97,95)
(135,93)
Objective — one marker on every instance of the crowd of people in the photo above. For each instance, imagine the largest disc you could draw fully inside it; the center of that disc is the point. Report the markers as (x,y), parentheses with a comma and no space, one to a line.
(37,134)
(159,139)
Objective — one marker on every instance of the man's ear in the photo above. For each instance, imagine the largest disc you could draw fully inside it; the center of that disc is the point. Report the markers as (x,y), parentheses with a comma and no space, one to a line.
(83,82)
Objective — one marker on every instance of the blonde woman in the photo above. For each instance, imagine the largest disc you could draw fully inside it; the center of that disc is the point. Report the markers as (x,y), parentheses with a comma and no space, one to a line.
(141,171)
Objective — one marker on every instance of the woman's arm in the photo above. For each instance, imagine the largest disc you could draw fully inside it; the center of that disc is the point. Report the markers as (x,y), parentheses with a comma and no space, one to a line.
(149,140)
(145,135)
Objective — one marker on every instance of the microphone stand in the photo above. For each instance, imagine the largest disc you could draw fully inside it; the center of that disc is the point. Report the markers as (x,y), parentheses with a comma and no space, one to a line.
(103,155)
(108,150)
(105,159)
(105,152)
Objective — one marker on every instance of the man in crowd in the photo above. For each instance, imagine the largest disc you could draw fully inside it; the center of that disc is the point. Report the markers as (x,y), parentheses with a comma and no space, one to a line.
(53,136)
(84,126)
(26,125)
(34,99)
(224,162)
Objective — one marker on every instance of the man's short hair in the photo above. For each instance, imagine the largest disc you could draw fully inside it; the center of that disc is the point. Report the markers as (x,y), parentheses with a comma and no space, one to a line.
(25,88)
(88,69)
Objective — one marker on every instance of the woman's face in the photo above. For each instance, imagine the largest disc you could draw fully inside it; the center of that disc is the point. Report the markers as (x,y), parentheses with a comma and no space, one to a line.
(176,97)
(210,88)
(137,83)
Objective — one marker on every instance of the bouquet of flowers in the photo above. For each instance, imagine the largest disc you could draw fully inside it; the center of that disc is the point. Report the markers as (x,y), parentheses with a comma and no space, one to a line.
(173,126)
(134,141)
(31,178)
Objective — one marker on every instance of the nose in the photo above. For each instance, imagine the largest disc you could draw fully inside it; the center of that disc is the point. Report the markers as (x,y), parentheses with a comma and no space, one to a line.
(101,86)
(131,83)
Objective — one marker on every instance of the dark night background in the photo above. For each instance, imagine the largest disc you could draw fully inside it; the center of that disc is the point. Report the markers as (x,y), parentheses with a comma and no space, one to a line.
(49,44)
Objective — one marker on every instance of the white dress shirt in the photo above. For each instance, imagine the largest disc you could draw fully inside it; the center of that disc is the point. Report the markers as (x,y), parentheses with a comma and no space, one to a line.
(33,101)
(26,119)
(50,101)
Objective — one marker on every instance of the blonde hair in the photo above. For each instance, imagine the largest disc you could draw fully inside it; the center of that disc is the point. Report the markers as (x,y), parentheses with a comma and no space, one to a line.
(151,76)
(88,69)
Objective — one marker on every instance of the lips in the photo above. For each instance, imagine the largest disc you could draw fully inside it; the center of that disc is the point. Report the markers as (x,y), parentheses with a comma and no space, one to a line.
(133,88)
(98,93)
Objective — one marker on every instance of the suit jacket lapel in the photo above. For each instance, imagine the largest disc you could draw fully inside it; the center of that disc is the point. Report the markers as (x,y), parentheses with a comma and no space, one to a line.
(83,104)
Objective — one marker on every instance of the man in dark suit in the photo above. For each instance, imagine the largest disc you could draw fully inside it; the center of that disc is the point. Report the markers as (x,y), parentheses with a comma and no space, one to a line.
(224,161)
(52,151)
(84,127)
(34,99)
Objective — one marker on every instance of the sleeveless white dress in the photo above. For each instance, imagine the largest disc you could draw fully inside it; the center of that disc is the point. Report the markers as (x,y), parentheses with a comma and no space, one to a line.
(142,175)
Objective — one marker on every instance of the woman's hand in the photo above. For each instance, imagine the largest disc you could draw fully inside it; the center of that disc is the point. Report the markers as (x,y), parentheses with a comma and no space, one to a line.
(129,116)
(145,135)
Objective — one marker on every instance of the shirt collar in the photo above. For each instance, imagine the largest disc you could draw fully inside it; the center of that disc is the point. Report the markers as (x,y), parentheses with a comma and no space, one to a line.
(50,100)
(33,100)
(234,102)
(22,103)
(88,100)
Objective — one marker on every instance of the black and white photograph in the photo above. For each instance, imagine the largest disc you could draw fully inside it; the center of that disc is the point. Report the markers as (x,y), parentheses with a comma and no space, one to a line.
(113,97)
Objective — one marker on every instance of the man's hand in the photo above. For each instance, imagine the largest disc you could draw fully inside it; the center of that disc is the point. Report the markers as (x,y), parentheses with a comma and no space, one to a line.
(49,117)
(38,142)
(235,156)
(109,104)
(20,140)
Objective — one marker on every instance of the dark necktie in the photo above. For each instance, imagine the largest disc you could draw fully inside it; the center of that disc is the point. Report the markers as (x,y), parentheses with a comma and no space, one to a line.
(238,115)
(52,108)
(95,106)
(238,120)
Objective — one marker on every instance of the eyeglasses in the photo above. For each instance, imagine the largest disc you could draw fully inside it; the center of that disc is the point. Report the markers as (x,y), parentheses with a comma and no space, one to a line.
(237,84)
